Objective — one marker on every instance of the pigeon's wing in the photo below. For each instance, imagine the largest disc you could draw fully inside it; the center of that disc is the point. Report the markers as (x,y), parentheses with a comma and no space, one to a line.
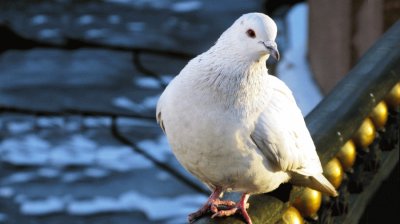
(282,136)
(281,133)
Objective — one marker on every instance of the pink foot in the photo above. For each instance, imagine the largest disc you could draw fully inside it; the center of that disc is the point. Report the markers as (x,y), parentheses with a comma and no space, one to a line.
(239,208)
(212,205)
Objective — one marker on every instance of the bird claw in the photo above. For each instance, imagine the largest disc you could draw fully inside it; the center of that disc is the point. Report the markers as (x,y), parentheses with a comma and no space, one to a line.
(222,208)
(213,206)
(234,210)
(216,206)
(222,213)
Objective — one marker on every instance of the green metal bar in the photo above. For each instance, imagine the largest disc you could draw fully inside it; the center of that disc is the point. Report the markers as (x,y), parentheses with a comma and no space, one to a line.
(341,112)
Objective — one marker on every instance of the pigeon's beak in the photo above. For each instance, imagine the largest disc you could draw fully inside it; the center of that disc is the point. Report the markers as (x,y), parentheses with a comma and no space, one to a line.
(275,53)
(272,49)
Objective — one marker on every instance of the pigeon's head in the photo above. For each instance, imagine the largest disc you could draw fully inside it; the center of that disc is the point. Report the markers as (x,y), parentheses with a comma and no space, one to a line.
(253,34)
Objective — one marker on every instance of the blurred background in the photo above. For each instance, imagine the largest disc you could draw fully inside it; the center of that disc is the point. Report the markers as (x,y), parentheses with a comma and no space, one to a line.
(79,81)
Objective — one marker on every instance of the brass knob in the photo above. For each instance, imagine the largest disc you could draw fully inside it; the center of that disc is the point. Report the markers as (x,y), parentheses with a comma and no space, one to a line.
(379,115)
(393,98)
(308,202)
(347,155)
(333,171)
(365,134)
(292,216)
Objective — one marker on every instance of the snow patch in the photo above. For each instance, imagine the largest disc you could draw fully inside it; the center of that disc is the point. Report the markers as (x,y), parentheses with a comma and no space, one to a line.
(29,150)
(18,127)
(186,6)
(80,141)
(65,155)
(120,1)
(94,122)
(27,158)
(162,176)
(47,122)
(86,19)
(96,172)
(156,4)
(49,33)
(147,82)
(167,78)
(48,172)
(150,102)
(39,20)
(136,26)
(3,218)
(95,33)
(121,159)
(154,208)
(78,150)
(169,209)
(6,192)
(42,207)
(158,149)
(21,177)
(72,176)
(126,103)
(114,19)
(20,198)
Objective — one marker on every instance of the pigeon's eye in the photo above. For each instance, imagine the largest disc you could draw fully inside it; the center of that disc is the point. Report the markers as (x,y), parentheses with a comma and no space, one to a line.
(251,33)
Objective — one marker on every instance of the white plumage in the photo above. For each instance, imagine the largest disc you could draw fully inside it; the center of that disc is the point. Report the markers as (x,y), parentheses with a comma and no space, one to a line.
(234,126)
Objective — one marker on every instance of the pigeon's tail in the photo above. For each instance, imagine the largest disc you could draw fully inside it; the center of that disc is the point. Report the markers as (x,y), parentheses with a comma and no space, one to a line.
(317,182)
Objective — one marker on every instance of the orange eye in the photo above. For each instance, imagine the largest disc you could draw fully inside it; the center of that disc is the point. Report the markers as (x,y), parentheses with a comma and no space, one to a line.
(251,33)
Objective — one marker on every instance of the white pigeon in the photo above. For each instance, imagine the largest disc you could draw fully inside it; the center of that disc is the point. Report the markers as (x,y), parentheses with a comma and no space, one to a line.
(234,126)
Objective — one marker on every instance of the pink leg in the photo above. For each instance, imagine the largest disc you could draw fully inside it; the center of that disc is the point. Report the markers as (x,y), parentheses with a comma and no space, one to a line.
(211,205)
(239,208)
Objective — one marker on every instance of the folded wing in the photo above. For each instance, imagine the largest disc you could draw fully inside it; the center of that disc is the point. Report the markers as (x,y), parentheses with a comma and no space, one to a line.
(282,136)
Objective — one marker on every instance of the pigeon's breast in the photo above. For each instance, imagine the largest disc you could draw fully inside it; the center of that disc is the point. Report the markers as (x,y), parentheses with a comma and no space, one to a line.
(213,143)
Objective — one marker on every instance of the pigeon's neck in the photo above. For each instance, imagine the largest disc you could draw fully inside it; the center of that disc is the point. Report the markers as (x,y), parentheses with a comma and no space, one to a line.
(236,82)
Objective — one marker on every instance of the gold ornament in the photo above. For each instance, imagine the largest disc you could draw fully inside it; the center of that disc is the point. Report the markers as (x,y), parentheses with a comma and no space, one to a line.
(347,155)
(393,98)
(365,134)
(308,202)
(292,216)
(379,115)
(333,171)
